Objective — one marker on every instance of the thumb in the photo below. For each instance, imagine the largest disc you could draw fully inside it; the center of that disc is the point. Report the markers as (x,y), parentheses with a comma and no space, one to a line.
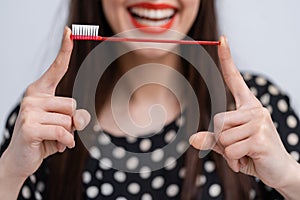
(81,119)
(203,140)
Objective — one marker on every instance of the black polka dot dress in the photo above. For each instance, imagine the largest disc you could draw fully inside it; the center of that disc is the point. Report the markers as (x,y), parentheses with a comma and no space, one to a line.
(137,180)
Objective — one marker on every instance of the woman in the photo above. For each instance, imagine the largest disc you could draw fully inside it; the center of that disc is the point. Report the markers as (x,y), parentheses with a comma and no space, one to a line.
(248,141)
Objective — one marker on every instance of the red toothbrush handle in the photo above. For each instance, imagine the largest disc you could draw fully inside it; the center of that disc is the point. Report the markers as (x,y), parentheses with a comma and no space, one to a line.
(120,39)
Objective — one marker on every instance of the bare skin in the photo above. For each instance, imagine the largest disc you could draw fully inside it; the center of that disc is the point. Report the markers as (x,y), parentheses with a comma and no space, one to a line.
(44,126)
(247,138)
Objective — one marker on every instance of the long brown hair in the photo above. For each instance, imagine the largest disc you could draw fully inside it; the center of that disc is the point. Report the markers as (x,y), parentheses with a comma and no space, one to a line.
(66,169)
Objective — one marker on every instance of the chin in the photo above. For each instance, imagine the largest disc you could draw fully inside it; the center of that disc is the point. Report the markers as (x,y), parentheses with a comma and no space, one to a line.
(154,53)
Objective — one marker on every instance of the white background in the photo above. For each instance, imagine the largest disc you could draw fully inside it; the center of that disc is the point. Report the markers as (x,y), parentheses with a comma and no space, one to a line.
(263,35)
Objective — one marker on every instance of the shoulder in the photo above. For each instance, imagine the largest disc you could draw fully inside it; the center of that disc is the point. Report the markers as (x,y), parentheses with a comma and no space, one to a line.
(260,84)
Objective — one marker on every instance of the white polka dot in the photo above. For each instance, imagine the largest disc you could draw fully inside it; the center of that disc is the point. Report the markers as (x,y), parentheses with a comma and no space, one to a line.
(295,155)
(200,180)
(170,163)
(99,175)
(157,155)
(209,166)
(86,177)
(275,124)
(97,127)
(132,163)
(145,172)
(92,192)
(214,190)
(131,139)
(181,147)
(118,152)
(121,198)
(260,81)
(270,109)
(268,188)
(40,186)
(293,139)
(265,99)
(32,178)
(182,172)
(6,134)
(170,136)
(26,192)
(120,176)
(134,188)
(172,190)
(247,76)
(12,119)
(38,195)
(95,152)
(291,121)
(180,121)
(103,139)
(252,194)
(145,145)
(253,90)
(107,189)
(146,196)
(282,105)
(273,90)
(105,163)
(157,182)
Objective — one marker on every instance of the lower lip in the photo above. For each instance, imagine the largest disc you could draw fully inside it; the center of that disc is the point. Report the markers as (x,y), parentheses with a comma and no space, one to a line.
(153,29)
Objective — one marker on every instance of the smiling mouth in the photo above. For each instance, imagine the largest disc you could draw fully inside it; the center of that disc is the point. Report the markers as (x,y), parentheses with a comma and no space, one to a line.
(146,15)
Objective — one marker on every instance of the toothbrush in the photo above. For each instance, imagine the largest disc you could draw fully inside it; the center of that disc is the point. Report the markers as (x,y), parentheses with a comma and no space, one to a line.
(90,32)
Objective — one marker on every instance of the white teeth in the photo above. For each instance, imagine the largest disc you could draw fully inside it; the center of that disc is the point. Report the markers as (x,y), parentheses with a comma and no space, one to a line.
(147,22)
(154,14)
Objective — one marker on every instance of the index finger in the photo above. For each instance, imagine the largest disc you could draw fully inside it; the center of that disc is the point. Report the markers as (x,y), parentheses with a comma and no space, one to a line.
(48,82)
(232,77)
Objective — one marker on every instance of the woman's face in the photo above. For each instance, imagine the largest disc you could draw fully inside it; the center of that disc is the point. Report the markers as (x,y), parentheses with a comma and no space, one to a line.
(151,16)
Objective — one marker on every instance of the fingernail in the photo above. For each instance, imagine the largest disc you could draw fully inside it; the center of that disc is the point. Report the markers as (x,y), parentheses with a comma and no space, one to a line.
(192,138)
(82,118)
(65,31)
(223,40)
(73,145)
(62,150)
(65,34)
(82,121)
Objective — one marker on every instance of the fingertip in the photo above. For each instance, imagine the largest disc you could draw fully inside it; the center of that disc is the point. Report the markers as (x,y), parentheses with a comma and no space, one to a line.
(60,147)
(224,50)
(81,119)
(67,31)
(202,140)
(192,139)
(73,145)
(223,40)
(67,42)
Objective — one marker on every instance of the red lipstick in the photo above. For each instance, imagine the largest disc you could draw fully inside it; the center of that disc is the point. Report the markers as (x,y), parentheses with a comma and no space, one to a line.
(151,17)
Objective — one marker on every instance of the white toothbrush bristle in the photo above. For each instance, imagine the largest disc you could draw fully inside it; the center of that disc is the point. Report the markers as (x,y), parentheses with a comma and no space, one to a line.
(85,30)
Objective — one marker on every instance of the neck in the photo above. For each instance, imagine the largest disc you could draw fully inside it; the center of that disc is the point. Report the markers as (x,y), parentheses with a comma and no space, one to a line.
(145,95)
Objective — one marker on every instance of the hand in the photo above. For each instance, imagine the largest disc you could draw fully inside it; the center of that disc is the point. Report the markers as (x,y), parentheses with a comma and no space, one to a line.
(246,137)
(45,123)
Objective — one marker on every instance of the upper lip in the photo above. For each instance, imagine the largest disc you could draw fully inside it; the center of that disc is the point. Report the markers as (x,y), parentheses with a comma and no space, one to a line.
(153,11)
(153,5)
